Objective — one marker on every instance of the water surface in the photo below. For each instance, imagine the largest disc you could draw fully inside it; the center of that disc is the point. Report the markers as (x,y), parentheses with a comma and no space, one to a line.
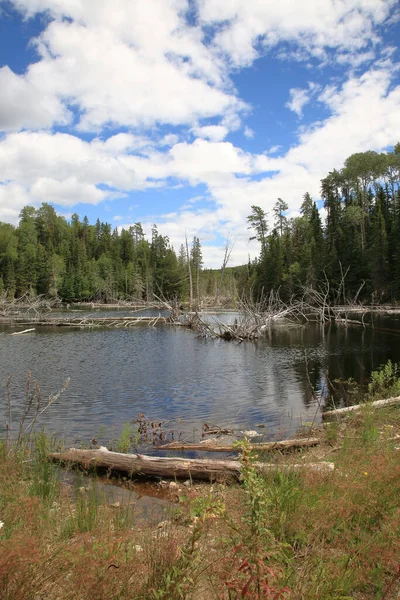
(169,373)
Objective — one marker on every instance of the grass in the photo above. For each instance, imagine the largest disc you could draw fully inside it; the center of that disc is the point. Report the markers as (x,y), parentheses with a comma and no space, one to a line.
(298,535)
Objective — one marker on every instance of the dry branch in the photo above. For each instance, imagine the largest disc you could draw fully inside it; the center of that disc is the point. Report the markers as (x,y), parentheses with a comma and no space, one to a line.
(338,412)
(24,331)
(211,446)
(176,468)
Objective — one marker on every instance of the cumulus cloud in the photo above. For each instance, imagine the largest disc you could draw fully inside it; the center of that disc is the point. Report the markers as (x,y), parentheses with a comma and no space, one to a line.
(67,192)
(215,133)
(156,96)
(246,28)
(13,197)
(24,103)
(103,60)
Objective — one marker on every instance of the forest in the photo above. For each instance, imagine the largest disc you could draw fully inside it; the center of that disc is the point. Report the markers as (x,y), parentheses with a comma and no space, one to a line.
(358,243)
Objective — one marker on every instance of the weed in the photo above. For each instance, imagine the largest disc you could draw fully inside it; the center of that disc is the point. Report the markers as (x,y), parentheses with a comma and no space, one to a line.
(178,582)
(45,475)
(284,493)
(369,430)
(89,500)
(385,381)
(331,432)
(123,443)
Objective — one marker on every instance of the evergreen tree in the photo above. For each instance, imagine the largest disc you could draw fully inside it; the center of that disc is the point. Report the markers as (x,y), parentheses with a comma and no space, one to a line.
(280,219)
(258,221)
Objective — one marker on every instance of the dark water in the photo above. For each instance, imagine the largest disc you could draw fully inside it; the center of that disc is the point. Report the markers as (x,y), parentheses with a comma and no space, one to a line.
(168,373)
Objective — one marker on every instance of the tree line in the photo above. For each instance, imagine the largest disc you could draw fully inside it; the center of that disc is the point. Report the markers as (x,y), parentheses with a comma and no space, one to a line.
(359,244)
(74,260)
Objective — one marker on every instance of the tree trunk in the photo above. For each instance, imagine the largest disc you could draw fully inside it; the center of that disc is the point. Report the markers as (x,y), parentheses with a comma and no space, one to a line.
(175,468)
(190,275)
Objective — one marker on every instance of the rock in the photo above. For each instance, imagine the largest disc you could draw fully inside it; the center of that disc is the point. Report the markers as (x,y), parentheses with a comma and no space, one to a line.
(138,548)
(187,483)
(251,433)
(173,485)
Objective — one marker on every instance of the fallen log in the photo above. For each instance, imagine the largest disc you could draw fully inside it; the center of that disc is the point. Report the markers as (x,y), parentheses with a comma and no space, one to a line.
(211,446)
(338,412)
(21,332)
(175,468)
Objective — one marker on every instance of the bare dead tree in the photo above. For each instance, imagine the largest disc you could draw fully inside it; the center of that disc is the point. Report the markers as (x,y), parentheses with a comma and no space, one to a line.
(190,274)
(227,253)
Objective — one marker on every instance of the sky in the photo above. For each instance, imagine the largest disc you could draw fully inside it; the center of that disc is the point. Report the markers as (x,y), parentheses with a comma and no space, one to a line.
(185,113)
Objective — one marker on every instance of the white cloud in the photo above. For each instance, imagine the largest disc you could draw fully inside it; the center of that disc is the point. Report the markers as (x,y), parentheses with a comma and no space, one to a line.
(215,133)
(298,99)
(13,197)
(169,140)
(249,133)
(274,149)
(104,62)
(23,103)
(68,192)
(246,28)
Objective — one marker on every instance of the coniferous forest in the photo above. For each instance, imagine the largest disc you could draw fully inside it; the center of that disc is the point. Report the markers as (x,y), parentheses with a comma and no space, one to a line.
(77,261)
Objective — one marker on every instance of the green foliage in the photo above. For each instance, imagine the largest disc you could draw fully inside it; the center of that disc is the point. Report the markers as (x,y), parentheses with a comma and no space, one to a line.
(46,476)
(369,429)
(89,500)
(124,442)
(360,236)
(385,381)
(77,261)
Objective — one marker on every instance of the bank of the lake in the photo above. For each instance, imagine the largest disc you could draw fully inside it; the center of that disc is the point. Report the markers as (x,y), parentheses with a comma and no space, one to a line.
(294,534)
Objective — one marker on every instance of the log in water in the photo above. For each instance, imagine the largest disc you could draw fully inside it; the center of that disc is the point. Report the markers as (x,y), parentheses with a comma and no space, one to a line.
(174,468)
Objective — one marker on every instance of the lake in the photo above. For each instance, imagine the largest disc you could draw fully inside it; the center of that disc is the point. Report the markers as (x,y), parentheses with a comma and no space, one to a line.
(168,373)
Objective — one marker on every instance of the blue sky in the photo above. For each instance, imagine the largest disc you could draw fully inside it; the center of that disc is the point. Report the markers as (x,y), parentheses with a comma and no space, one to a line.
(184,113)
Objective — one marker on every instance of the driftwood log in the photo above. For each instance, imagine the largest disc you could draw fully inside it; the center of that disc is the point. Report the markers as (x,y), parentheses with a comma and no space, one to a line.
(24,331)
(339,412)
(211,446)
(175,468)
